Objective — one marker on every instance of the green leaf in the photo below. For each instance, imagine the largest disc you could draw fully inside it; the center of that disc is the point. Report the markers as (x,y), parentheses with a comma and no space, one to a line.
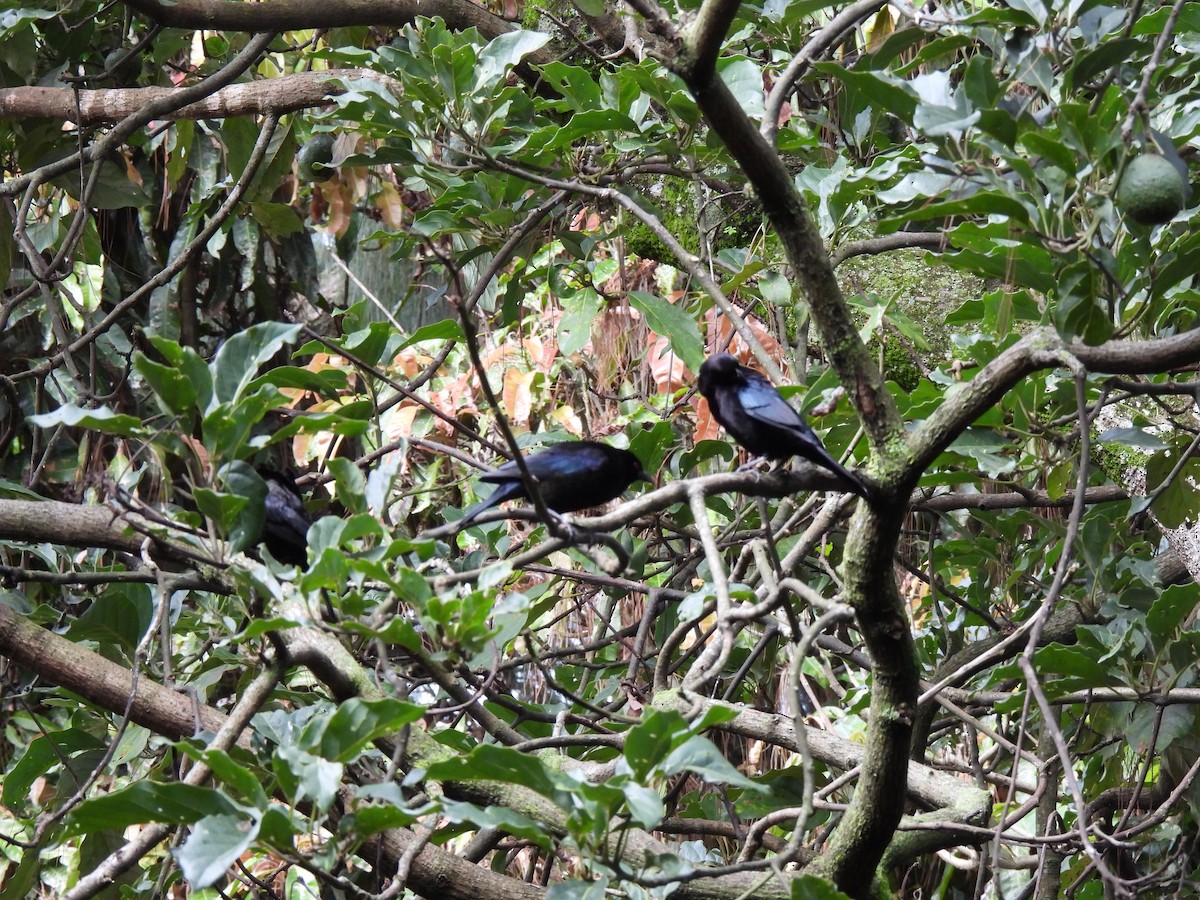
(214,845)
(171,386)
(148,801)
(113,190)
(43,752)
(503,52)
(1170,609)
(1077,669)
(119,618)
(325,383)
(191,367)
(575,84)
(241,481)
(649,742)
(744,80)
(445,330)
(699,756)
(238,137)
(1152,24)
(228,427)
(1133,437)
(492,762)
(277,219)
(593,889)
(575,327)
(100,419)
(879,88)
(223,509)
(645,806)
(1178,502)
(669,321)
(987,449)
(306,776)
(230,773)
(350,485)
(237,362)
(499,817)
(357,722)
(1079,312)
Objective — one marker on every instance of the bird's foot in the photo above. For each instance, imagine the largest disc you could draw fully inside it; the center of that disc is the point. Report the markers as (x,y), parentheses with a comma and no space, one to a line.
(564,530)
(760,465)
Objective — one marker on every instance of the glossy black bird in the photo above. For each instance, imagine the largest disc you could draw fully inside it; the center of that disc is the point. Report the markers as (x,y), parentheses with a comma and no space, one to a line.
(571,476)
(286,521)
(758,418)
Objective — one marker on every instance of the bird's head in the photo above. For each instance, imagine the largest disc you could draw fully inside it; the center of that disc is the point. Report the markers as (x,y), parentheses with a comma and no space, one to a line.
(634,471)
(718,369)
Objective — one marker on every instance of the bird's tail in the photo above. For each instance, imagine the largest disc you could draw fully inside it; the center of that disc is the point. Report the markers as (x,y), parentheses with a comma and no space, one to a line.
(481,506)
(503,492)
(825,460)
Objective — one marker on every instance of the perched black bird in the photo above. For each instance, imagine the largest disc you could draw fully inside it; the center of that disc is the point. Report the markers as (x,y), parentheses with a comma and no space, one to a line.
(570,476)
(286,521)
(758,417)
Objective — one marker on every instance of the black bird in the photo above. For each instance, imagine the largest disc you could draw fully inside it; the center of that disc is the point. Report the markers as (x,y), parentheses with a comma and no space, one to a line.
(758,417)
(285,521)
(570,476)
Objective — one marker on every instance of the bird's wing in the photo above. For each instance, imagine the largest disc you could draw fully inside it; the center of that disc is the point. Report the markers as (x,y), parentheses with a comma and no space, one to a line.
(762,402)
(286,508)
(566,459)
(506,472)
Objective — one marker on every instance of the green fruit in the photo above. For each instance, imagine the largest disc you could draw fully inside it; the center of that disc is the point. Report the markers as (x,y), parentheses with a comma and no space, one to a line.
(1151,191)
(312,162)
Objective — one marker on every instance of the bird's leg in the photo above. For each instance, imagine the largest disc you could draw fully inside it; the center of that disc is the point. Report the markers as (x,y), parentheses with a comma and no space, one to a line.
(755,464)
(561,528)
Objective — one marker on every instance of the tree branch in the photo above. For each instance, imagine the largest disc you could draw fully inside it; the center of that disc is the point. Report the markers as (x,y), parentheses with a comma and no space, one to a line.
(294,15)
(1040,349)
(279,95)
(157,109)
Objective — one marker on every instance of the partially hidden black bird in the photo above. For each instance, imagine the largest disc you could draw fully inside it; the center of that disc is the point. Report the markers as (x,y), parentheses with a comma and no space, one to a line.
(571,476)
(756,415)
(286,521)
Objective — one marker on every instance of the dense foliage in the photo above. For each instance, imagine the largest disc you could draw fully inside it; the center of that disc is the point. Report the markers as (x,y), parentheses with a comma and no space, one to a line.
(378,253)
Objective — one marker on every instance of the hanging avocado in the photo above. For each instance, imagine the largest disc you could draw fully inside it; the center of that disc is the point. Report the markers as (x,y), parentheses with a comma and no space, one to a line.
(312,162)
(1151,191)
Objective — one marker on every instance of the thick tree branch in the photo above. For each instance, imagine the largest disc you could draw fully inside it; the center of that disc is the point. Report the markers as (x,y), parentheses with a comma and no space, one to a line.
(817,45)
(1108,493)
(279,95)
(52,522)
(864,834)
(102,682)
(293,15)
(704,34)
(130,124)
(1040,349)
(901,240)
(229,734)
(783,205)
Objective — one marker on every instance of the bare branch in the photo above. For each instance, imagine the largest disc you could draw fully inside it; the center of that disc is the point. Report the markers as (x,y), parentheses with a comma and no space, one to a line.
(279,95)
(294,15)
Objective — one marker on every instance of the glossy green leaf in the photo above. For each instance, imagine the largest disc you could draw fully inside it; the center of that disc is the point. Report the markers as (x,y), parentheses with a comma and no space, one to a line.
(357,722)
(148,801)
(700,757)
(575,326)
(101,419)
(43,752)
(215,844)
(506,820)
(667,319)
(239,359)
